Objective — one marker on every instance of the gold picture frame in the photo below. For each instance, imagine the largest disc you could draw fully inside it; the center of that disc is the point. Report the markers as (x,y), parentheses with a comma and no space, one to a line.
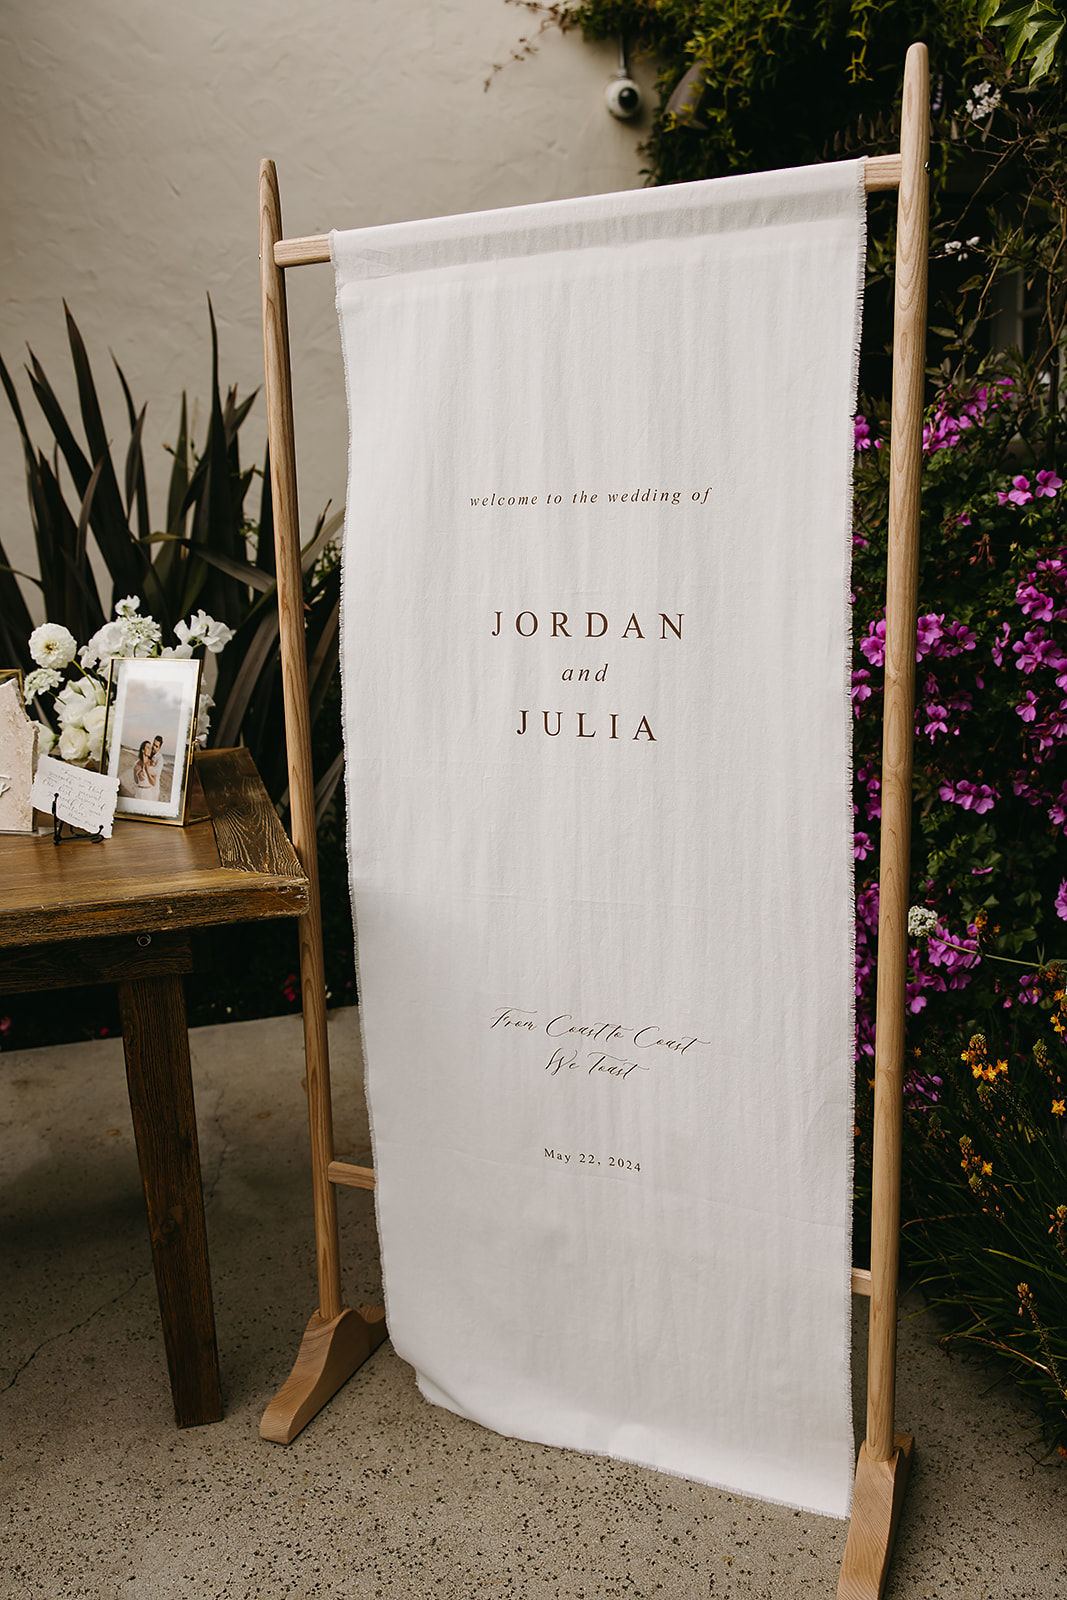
(149,735)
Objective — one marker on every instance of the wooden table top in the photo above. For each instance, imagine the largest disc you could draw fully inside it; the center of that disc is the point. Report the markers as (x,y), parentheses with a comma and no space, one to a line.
(237,867)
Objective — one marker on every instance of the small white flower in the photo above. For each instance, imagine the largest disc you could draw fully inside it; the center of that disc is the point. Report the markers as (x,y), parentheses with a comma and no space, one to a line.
(93,724)
(52,645)
(75,701)
(982,101)
(42,681)
(176,652)
(45,738)
(142,636)
(204,706)
(129,606)
(921,922)
(74,745)
(106,642)
(952,246)
(202,629)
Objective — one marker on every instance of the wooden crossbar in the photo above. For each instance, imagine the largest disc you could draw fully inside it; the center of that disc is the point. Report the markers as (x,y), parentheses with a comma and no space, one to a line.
(883,172)
(337,1340)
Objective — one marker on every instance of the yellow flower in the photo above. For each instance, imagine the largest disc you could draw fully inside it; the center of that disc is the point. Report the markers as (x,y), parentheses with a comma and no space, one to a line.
(987,1169)
(1058,1107)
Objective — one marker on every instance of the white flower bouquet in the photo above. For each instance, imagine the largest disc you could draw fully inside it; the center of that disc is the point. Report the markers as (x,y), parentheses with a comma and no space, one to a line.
(77,679)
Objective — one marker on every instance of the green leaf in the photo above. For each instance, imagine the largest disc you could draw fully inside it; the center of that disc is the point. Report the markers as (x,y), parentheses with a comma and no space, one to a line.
(1046,40)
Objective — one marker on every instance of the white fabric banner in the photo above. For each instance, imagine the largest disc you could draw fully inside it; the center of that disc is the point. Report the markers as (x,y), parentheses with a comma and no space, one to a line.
(595,650)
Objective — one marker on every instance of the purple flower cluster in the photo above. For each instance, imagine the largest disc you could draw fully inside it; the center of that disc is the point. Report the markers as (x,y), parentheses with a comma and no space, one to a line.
(1042,598)
(933,637)
(864,437)
(991,707)
(977,797)
(953,415)
(1020,493)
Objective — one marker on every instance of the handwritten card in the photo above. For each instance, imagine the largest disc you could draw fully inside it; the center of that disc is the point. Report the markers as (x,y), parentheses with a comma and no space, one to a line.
(82,799)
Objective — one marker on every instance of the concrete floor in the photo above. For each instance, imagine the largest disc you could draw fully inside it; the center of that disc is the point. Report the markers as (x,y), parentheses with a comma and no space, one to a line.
(383,1494)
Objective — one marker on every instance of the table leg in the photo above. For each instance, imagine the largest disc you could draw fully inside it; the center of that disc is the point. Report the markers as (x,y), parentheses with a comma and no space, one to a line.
(156,1041)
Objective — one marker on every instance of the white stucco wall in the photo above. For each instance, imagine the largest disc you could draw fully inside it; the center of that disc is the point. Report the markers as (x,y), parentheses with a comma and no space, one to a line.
(130,138)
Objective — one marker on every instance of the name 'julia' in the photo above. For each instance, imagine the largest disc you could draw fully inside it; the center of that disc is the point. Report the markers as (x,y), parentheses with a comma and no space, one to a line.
(581,728)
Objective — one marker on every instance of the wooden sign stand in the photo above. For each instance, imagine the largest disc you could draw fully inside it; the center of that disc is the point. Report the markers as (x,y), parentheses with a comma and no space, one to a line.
(338,1340)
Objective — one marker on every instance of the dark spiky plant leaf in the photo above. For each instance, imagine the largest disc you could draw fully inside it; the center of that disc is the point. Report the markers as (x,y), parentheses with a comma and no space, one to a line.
(110,522)
(265,533)
(136,485)
(16,624)
(178,487)
(209,553)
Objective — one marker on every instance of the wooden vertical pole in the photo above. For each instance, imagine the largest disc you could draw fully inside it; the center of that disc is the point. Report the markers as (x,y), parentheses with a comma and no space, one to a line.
(280,433)
(882,1469)
(902,578)
(336,1340)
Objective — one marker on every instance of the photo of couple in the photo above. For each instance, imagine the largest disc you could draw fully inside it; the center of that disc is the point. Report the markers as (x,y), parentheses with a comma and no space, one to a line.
(150,732)
(148,774)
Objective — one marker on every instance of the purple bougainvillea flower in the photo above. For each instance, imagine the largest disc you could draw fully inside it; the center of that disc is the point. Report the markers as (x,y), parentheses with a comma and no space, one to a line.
(999,642)
(1061,901)
(928,631)
(978,797)
(873,643)
(957,637)
(1047,484)
(1026,791)
(1058,809)
(1035,649)
(864,438)
(862,846)
(1034,603)
(937,720)
(1019,493)
(1027,709)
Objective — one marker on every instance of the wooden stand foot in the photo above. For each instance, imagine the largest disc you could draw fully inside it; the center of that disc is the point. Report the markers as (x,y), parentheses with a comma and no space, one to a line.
(329,1354)
(875,1513)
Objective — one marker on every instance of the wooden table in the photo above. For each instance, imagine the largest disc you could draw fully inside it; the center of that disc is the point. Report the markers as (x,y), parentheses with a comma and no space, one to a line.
(122,911)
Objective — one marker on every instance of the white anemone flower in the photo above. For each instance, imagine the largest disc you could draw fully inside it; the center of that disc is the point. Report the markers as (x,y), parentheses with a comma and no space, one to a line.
(52,645)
